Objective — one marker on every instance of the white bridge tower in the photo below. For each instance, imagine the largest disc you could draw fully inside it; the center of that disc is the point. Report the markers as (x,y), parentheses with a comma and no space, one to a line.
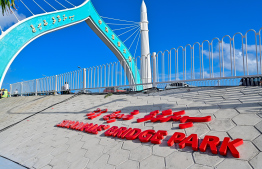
(145,51)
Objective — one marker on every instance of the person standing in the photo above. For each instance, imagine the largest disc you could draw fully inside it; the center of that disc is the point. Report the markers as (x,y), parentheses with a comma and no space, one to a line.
(16,93)
(65,89)
(4,94)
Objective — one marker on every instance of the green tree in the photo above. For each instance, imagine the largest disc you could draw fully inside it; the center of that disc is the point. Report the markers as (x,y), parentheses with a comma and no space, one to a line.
(6,5)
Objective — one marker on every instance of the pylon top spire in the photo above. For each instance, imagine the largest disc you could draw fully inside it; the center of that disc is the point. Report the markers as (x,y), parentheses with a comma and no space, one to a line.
(143,7)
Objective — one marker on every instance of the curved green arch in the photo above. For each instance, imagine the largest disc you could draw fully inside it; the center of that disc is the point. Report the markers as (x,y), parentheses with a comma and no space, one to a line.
(21,34)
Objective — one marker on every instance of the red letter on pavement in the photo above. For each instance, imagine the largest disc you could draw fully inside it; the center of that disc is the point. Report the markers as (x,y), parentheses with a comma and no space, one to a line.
(145,136)
(191,140)
(176,138)
(156,139)
(111,131)
(119,131)
(231,145)
(133,134)
(212,142)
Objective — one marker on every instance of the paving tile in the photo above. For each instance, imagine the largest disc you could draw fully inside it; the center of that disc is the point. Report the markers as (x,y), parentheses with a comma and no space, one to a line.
(198,128)
(76,155)
(118,157)
(131,145)
(256,162)
(90,142)
(94,152)
(220,134)
(232,163)
(247,151)
(246,119)
(112,148)
(221,124)
(47,167)
(141,153)
(258,142)
(259,126)
(75,147)
(61,158)
(100,163)
(153,162)
(80,163)
(244,132)
(30,163)
(43,161)
(128,164)
(179,160)
(197,166)
(249,108)
(163,149)
(207,158)
(226,113)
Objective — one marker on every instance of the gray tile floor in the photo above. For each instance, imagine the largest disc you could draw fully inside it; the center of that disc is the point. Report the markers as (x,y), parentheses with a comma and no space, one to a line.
(36,143)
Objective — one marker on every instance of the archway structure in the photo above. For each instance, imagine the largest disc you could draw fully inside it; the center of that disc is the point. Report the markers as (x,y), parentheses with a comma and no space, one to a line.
(21,34)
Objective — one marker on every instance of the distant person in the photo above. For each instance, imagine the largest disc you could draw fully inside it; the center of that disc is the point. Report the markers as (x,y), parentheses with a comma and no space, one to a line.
(65,89)
(4,93)
(16,93)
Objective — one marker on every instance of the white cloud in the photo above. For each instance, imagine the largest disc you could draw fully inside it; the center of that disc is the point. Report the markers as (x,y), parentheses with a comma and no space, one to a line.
(9,19)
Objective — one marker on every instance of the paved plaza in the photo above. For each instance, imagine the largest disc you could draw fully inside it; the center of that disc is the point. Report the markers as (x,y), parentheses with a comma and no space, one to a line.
(35,142)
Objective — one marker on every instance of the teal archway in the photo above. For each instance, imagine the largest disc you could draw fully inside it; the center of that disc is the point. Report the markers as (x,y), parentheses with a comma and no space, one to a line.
(21,34)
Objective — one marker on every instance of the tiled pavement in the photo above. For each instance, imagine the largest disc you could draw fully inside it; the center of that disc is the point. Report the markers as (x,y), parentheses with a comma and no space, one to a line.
(36,143)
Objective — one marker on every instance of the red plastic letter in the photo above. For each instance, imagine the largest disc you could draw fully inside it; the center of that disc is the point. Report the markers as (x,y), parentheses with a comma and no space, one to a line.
(145,136)
(212,142)
(123,135)
(132,135)
(119,131)
(176,138)
(186,125)
(231,145)
(111,131)
(156,139)
(191,140)
(167,112)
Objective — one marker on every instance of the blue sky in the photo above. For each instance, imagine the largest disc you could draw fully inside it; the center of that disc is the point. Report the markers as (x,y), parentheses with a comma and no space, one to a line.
(171,24)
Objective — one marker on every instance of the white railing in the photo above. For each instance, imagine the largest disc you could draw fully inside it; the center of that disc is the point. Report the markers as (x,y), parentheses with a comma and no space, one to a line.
(219,62)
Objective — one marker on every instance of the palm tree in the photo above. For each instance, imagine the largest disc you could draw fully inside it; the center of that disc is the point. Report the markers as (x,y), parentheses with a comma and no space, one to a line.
(6,5)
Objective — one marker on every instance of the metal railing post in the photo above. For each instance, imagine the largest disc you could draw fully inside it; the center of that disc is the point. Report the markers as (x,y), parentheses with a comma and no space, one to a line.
(10,90)
(35,87)
(84,80)
(21,88)
(55,85)
(154,69)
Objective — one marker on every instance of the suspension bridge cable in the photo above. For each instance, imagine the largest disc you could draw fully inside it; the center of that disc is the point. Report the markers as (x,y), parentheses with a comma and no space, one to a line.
(39,6)
(125,28)
(50,5)
(132,34)
(137,43)
(70,3)
(27,8)
(118,19)
(15,15)
(133,40)
(119,24)
(126,32)
(61,4)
